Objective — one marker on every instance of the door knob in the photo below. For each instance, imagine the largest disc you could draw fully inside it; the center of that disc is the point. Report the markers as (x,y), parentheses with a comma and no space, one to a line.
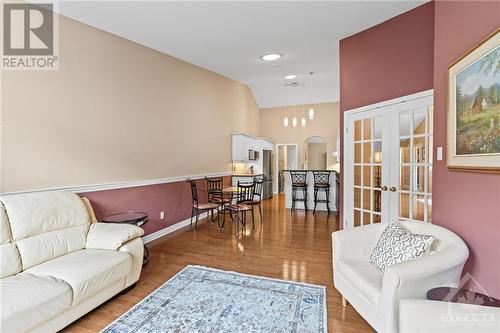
(384,188)
(392,189)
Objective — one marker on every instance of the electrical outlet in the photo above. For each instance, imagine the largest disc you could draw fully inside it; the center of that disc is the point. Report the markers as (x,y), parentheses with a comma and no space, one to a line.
(162,215)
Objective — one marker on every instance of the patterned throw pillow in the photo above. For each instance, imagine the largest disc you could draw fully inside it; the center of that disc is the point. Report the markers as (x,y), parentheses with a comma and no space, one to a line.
(397,244)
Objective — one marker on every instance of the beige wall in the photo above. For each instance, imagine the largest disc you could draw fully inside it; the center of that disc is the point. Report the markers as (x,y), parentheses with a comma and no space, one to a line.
(316,156)
(116,111)
(325,124)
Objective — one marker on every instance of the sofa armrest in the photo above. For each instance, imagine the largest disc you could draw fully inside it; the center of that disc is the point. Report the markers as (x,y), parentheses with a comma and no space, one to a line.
(135,248)
(110,236)
(355,243)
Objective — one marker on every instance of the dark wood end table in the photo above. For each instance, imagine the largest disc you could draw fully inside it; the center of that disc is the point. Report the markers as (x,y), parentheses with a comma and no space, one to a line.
(456,295)
(131,217)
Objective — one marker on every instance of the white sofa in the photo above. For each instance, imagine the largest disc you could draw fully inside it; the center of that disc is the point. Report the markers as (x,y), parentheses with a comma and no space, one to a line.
(57,262)
(375,294)
(423,316)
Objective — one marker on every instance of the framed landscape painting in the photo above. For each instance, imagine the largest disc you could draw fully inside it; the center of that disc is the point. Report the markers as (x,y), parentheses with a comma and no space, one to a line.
(474,108)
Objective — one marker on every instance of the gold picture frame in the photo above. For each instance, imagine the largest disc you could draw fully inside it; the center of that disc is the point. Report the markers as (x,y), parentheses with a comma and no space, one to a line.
(473,96)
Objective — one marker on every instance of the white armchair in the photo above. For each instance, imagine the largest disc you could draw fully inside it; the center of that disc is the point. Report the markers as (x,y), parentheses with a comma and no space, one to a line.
(376,294)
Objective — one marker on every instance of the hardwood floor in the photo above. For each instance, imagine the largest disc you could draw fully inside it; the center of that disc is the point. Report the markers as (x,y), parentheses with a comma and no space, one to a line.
(288,246)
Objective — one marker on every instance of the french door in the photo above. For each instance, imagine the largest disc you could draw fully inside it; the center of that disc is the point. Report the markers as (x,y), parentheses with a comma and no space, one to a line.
(388,161)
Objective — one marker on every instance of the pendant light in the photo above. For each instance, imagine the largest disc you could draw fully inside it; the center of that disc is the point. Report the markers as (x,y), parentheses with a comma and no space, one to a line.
(311,113)
(311,110)
(285,121)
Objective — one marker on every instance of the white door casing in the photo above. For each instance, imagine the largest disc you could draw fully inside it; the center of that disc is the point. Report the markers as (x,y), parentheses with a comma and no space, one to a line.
(401,168)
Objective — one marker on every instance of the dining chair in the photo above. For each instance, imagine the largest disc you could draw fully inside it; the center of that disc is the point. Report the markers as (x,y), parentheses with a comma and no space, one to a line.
(257,197)
(198,207)
(215,193)
(244,193)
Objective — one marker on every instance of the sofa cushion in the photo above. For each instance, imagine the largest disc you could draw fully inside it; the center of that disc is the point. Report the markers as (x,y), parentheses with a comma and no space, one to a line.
(43,247)
(5,235)
(53,223)
(10,261)
(365,277)
(87,271)
(28,301)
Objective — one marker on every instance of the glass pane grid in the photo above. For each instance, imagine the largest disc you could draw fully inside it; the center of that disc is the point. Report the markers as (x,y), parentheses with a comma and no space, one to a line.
(367,170)
(416,160)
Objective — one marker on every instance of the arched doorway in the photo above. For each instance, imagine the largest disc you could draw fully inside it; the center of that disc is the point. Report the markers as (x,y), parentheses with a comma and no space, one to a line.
(315,153)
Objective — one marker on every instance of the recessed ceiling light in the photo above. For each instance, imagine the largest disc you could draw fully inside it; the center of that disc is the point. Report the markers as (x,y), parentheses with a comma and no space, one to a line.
(271,56)
(290,76)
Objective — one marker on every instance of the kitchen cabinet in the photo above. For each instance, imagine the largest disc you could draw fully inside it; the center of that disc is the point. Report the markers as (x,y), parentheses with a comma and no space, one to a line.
(263,144)
(240,146)
(242,143)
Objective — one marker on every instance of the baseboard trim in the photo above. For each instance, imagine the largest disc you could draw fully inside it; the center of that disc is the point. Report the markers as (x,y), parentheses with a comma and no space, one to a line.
(168,230)
(120,185)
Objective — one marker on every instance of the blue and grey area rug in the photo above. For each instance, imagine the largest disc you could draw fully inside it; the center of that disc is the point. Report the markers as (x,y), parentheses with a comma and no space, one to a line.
(201,299)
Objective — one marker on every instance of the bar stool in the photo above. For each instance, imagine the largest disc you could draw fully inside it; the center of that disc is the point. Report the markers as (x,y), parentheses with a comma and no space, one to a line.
(322,183)
(299,183)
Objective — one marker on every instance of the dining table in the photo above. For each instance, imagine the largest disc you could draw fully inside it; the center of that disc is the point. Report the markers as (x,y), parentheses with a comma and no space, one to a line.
(230,190)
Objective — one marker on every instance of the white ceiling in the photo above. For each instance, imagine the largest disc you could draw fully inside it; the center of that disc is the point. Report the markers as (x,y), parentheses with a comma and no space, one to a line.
(228,38)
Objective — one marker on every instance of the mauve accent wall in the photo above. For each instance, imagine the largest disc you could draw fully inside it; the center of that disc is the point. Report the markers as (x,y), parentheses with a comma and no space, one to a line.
(465,202)
(411,53)
(392,59)
(172,198)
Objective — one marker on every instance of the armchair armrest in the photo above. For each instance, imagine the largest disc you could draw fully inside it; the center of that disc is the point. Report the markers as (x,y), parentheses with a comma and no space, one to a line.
(356,243)
(111,236)
(413,278)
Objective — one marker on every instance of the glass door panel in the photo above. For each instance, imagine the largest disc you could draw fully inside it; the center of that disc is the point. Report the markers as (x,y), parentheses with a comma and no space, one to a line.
(411,173)
(366,167)
(388,163)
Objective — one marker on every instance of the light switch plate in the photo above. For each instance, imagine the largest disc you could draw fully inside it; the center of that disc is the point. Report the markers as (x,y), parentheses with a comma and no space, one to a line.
(439,153)
(162,215)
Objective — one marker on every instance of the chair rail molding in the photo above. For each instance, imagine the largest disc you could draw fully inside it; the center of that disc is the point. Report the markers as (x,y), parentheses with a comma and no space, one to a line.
(120,185)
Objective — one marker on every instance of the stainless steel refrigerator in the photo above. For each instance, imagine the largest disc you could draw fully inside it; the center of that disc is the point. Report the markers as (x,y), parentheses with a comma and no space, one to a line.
(267,170)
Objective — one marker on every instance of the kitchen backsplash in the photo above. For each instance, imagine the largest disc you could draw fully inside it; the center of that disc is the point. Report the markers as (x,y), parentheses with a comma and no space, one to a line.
(244,168)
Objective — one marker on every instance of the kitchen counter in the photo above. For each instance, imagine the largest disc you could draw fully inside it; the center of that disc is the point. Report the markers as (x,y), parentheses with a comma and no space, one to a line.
(243,177)
(310,191)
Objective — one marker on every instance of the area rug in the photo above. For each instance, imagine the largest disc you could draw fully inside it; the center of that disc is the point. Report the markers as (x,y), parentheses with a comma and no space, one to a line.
(202,299)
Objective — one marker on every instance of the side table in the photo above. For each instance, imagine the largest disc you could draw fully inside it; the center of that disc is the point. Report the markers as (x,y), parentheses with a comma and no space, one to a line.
(456,295)
(131,217)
